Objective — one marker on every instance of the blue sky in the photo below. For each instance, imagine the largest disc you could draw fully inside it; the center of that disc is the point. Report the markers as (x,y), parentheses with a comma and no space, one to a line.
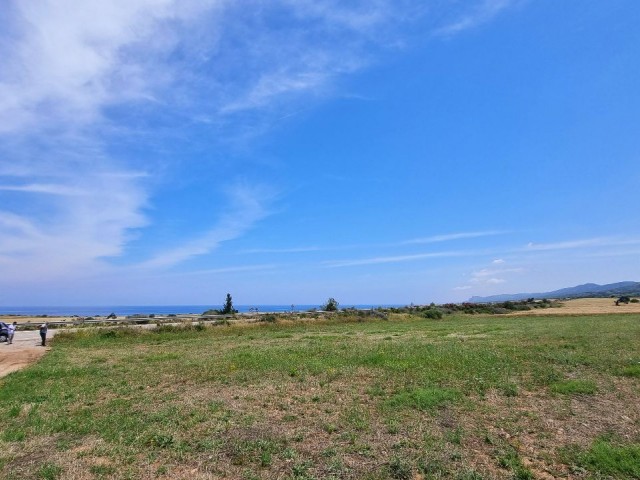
(165,152)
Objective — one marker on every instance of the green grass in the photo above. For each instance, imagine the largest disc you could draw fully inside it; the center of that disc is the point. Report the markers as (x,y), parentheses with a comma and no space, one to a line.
(632,371)
(422,398)
(611,459)
(387,398)
(574,387)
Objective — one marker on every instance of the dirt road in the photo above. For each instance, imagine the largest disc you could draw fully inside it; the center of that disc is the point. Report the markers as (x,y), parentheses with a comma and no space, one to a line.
(24,351)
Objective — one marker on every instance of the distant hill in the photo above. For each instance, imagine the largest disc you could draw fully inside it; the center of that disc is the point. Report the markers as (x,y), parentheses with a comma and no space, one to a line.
(580,291)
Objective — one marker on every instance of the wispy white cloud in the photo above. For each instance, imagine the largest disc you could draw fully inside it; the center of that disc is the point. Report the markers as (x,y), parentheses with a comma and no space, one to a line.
(635,252)
(449,237)
(248,205)
(478,14)
(565,245)
(454,236)
(283,250)
(49,189)
(595,242)
(70,235)
(262,267)
(394,259)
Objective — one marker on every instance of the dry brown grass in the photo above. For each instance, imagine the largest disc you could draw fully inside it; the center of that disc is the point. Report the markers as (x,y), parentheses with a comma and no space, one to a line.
(585,306)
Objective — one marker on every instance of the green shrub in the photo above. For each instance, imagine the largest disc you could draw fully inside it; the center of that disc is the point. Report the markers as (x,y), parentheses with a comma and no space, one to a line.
(432,313)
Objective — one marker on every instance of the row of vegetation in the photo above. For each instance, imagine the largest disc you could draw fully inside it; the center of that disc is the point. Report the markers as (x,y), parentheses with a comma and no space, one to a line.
(332,305)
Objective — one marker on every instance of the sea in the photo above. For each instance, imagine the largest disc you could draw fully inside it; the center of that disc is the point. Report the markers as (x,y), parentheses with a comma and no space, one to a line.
(123,310)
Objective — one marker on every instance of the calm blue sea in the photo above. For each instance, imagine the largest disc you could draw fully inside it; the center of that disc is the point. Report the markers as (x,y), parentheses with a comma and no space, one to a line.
(121,310)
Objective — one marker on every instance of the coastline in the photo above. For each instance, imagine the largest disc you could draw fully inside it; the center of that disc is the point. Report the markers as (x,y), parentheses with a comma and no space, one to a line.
(71,312)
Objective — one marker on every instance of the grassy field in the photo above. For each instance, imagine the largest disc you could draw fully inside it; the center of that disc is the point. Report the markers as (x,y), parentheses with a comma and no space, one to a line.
(465,397)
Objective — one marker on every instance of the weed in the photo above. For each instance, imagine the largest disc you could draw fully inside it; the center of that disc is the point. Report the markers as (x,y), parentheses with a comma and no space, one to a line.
(300,471)
(509,459)
(266,458)
(50,471)
(101,470)
(455,436)
(13,411)
(13,435)
(433,468)
(289,453)
(399,469)
(509,389)
(160,440)
(330,428)
(393,426)
(357,418)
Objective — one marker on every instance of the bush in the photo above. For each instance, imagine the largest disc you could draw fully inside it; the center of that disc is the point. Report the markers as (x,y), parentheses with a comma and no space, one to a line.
(330,306)
(186,327)
(432,313)
(269,318)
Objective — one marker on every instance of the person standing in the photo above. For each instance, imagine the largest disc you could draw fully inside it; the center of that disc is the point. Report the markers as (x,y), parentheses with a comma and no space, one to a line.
(43,333)
(12,332)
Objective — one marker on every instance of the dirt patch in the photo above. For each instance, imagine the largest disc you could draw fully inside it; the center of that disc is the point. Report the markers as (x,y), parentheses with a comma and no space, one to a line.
(24,351)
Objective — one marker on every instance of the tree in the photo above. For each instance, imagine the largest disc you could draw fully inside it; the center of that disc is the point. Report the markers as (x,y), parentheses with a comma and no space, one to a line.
(330,306)
(228,309)
(623,299)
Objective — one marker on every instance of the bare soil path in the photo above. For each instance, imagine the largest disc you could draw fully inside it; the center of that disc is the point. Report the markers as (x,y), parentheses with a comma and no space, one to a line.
(24,351)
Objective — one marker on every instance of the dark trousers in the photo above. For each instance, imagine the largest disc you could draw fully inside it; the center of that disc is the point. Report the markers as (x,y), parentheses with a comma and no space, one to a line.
(43,336)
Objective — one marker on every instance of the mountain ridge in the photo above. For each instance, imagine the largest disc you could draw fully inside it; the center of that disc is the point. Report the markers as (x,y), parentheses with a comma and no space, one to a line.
(579,291)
